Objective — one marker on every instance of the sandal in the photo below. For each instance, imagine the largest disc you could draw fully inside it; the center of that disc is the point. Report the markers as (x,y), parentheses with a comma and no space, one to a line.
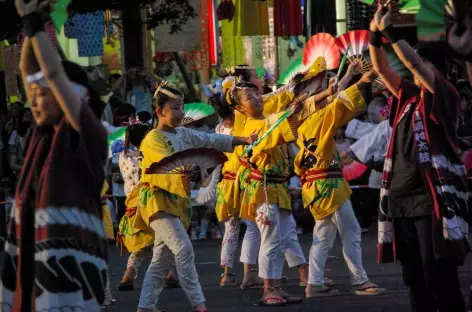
(291,299)
(230,282)
(315,291)
(253,283)
(272,301)
(126,286)
(368,289)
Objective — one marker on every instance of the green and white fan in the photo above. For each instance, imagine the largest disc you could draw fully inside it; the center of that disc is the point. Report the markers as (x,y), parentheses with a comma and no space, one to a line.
(196,111)
(296,67)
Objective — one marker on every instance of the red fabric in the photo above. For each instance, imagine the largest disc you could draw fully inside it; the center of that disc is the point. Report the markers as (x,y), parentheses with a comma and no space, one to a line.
(288,18)
(468,161)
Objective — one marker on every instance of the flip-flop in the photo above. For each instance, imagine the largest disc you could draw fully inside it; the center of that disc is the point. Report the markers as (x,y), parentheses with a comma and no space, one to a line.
(277,302)
(291,299)
(231,282)
(254,285)
(368,289)
(321,291)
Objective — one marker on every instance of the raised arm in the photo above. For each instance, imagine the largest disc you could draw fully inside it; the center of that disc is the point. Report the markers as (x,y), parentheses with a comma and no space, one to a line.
(28,65)
(50,62)
(378,57)
(407,54)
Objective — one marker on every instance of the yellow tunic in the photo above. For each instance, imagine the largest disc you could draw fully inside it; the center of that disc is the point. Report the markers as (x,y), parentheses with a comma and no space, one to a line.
(325,196)
(271,159)
(228,197)
(169,193)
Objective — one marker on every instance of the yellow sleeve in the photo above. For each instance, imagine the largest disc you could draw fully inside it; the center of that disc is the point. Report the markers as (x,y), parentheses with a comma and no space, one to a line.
(154,149)
(283,133)
(352,104)
(277,101)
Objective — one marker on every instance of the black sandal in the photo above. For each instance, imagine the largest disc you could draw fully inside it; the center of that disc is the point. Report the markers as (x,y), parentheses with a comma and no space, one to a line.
(127,286)
(231,282)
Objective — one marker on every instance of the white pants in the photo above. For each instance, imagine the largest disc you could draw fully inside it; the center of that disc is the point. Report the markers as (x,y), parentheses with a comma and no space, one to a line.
(324,235)
(278,241)
(230,242)
(251,244)
(171,242)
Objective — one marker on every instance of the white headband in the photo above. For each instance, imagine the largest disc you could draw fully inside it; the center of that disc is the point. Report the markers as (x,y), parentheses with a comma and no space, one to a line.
(39,79)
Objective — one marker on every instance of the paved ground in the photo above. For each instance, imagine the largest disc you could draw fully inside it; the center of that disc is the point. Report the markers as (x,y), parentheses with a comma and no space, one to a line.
(233,299)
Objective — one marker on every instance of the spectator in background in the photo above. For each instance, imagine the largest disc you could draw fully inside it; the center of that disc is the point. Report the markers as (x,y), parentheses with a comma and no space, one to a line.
(138,90)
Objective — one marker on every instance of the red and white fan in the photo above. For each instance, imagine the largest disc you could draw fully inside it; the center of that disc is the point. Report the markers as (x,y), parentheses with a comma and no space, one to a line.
(188,162)
(354,43)
(322,44)
(353,170)
(208,191)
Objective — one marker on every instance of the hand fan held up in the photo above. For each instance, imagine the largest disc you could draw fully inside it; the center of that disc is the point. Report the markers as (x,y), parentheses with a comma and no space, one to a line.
(322,45)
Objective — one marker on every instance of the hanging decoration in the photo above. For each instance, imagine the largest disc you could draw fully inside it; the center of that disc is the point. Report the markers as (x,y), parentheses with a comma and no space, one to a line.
(288,18)
(88,29)
(252,18)
(226,10)
(212,33)
(59,13)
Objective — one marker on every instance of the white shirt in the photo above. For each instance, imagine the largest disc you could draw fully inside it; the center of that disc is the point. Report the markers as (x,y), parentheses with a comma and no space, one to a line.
(185,138)
(373,147)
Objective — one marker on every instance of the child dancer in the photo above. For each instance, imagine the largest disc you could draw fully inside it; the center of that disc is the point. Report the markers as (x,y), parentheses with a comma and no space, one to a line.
(326,193)
(262,178)
(165,200)
(228,204)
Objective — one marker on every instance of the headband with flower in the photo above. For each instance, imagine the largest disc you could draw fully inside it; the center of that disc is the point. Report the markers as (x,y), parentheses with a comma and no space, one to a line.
(160,88)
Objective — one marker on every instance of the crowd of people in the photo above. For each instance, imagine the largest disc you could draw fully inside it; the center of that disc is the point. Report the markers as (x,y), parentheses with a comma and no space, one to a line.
(403,146)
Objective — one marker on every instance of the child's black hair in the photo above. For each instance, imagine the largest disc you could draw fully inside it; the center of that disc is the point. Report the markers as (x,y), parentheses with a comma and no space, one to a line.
(163,98)
(234,96)
(222,109)
(135,134)
(244,71)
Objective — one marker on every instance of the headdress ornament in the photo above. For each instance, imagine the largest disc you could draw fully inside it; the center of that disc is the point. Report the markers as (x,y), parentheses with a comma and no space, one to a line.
(160,87)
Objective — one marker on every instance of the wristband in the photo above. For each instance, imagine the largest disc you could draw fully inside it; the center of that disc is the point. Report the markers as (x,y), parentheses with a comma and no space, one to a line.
(32,24)
(376,39)
(392,34)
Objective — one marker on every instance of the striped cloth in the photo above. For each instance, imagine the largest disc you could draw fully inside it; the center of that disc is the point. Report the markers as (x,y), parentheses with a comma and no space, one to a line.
(434,122)
(56,252)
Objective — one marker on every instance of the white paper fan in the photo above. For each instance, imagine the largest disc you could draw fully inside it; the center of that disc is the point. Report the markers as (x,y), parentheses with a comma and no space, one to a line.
(207,193)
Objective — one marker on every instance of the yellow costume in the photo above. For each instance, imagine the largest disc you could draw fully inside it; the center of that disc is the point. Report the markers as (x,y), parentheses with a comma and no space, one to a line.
(169,193)
(324,189)
(228,197)
(107,222)
(263,175)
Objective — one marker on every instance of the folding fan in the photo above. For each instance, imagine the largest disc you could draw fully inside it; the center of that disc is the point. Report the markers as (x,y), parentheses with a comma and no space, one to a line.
(189,161)
(322,44)
(294,68)
(196,111)
(353,170)
(206,193)
(353,43)
(430,19)
(119,134)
